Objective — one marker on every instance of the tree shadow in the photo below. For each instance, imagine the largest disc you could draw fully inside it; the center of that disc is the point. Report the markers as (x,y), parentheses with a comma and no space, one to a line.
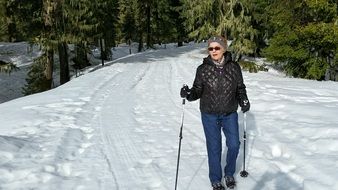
(278,180)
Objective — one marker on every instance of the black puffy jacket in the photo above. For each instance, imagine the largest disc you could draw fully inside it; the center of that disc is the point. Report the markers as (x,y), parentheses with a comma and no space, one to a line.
(220,89)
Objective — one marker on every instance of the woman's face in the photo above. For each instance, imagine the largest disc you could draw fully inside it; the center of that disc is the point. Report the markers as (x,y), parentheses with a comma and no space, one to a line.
(216,51)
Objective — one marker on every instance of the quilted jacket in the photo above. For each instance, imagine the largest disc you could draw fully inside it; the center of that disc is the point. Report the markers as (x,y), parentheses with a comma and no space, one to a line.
(220,89)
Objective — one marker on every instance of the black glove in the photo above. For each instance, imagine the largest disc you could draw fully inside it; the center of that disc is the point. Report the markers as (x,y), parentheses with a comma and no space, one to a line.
(245,105)
(185,91)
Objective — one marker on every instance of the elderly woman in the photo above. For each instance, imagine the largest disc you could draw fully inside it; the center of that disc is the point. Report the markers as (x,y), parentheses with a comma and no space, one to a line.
(219,86)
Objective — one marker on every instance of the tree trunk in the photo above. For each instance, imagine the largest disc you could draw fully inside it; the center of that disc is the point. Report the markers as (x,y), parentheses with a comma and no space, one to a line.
(140,42)
(103,55)
(49,69)
(49,21)
(64,64)
(129,43)
(149,43)
(179,23)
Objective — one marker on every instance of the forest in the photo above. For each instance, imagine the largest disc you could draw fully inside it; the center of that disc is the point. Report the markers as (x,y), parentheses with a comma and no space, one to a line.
(299,36)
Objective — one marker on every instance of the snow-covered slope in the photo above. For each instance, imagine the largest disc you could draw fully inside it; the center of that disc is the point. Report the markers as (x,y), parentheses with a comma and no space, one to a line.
(117,128)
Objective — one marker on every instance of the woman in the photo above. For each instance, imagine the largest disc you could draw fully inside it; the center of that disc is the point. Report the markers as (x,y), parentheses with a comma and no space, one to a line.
(219,86)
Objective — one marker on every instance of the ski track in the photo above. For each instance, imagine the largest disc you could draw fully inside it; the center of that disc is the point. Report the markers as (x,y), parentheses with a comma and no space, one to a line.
(60,131)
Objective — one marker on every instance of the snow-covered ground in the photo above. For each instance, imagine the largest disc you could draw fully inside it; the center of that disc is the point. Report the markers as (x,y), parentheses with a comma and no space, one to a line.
(117,128)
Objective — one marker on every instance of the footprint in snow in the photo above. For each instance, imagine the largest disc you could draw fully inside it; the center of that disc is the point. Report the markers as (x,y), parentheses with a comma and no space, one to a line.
(143,163)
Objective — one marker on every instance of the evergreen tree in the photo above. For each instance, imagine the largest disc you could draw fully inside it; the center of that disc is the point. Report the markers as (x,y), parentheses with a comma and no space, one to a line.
(200,18)
(143,22)
(128,22)
(260,22)
(8,20)
(106,12)
(163,24)
(153,22)
(80,26)
(18,19)
(4,36)
(306,36)
(140,12)
(177,17)
(228,18)
(36,79)
(237,22)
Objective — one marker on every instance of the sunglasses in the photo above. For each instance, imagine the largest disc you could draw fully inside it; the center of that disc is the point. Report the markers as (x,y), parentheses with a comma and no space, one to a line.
(214,48)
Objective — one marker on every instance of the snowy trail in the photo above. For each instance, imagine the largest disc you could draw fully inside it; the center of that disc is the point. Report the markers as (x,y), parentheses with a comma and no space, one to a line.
(142,122)
(117,128)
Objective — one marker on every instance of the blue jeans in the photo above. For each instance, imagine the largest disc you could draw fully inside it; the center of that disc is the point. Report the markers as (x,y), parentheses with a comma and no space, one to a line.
(212,124)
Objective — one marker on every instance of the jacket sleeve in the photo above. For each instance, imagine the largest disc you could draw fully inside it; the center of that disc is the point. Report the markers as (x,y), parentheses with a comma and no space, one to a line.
(197,88)
(241,88)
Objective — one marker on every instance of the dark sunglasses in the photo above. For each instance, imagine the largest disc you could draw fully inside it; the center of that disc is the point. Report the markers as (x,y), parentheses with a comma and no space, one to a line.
(214,48)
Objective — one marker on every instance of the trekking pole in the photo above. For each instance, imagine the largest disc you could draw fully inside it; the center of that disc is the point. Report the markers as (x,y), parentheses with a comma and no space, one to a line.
(244,173)
(179,147)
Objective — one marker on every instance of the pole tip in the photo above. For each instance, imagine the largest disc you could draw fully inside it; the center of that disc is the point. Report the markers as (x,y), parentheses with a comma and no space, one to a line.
(244,173)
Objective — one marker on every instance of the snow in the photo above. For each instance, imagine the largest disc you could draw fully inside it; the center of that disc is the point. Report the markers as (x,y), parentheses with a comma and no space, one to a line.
(20,53)
(118,127)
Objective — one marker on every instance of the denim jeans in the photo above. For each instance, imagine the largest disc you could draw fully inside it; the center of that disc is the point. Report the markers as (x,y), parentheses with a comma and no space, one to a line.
(213,124)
